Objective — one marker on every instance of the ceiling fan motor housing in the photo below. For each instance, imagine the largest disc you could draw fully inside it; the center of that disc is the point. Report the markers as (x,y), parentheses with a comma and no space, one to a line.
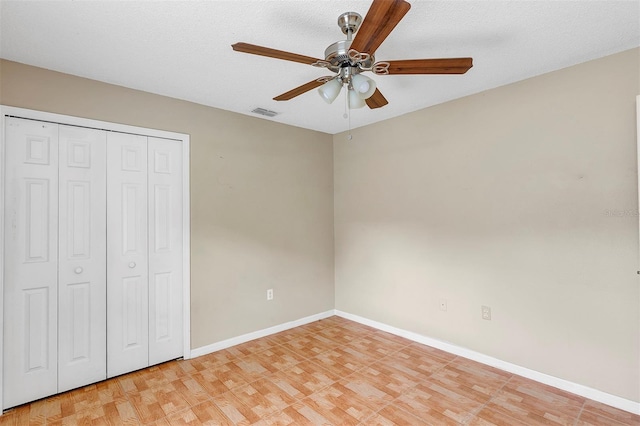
(337,55)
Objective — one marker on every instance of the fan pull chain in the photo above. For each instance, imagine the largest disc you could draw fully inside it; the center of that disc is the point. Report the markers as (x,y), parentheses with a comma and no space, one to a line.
(347,111)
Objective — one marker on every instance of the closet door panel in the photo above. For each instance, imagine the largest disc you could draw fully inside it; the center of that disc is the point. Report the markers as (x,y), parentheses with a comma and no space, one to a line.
(127,254)
(165,250)
(31,261)
(82,257)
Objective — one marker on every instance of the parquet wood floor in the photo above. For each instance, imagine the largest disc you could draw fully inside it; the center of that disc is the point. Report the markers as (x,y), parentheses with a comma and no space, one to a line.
(329,372)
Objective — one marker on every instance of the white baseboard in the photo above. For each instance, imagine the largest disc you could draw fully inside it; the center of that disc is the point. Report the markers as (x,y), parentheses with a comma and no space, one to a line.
(585,391)
(224,344)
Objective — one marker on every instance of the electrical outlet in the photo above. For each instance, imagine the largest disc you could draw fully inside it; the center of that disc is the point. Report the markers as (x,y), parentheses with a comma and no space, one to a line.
(443,304)
(270,294)
(486,313)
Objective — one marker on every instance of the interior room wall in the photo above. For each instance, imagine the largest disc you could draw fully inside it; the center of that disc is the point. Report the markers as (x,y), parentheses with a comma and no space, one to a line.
(524,199)
(521,198)
(261,199)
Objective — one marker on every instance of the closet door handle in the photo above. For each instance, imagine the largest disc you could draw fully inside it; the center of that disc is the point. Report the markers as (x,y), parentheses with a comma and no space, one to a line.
(78,270)
(132,264)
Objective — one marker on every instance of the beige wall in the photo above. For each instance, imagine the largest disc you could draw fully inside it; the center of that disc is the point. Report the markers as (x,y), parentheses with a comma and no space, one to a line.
(261,199)
(501,199)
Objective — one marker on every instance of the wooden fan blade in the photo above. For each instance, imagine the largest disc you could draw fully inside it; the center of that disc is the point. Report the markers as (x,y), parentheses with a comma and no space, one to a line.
(376,100)
(299,90)
(430,66)
(273,53)
(381,19)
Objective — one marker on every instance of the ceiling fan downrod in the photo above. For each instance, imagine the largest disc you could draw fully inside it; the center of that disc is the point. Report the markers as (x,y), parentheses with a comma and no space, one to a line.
(339,55)
(349,22)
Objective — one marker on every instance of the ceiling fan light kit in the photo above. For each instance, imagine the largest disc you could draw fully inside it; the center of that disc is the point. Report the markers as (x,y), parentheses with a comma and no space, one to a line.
(347,59)
(330,90)
(355,100)
(363,86)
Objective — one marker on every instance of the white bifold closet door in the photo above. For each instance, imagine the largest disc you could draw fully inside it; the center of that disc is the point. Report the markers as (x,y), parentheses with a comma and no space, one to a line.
(93,256)
(127,260)
(30,346)
(144,259)
(82,281)
(54,286)
(165,249)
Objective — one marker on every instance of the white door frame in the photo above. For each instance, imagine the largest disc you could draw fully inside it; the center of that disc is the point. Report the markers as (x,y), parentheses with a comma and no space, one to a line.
(103,125)
(638,153)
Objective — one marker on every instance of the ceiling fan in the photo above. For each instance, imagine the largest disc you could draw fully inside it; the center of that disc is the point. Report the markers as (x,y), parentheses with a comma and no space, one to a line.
(349,58)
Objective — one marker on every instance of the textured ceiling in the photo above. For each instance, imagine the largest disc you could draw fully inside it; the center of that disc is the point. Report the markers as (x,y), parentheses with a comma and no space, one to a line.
(183,49)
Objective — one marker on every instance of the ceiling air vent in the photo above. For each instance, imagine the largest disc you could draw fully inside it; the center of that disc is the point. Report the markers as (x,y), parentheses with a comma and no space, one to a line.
(265,112)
